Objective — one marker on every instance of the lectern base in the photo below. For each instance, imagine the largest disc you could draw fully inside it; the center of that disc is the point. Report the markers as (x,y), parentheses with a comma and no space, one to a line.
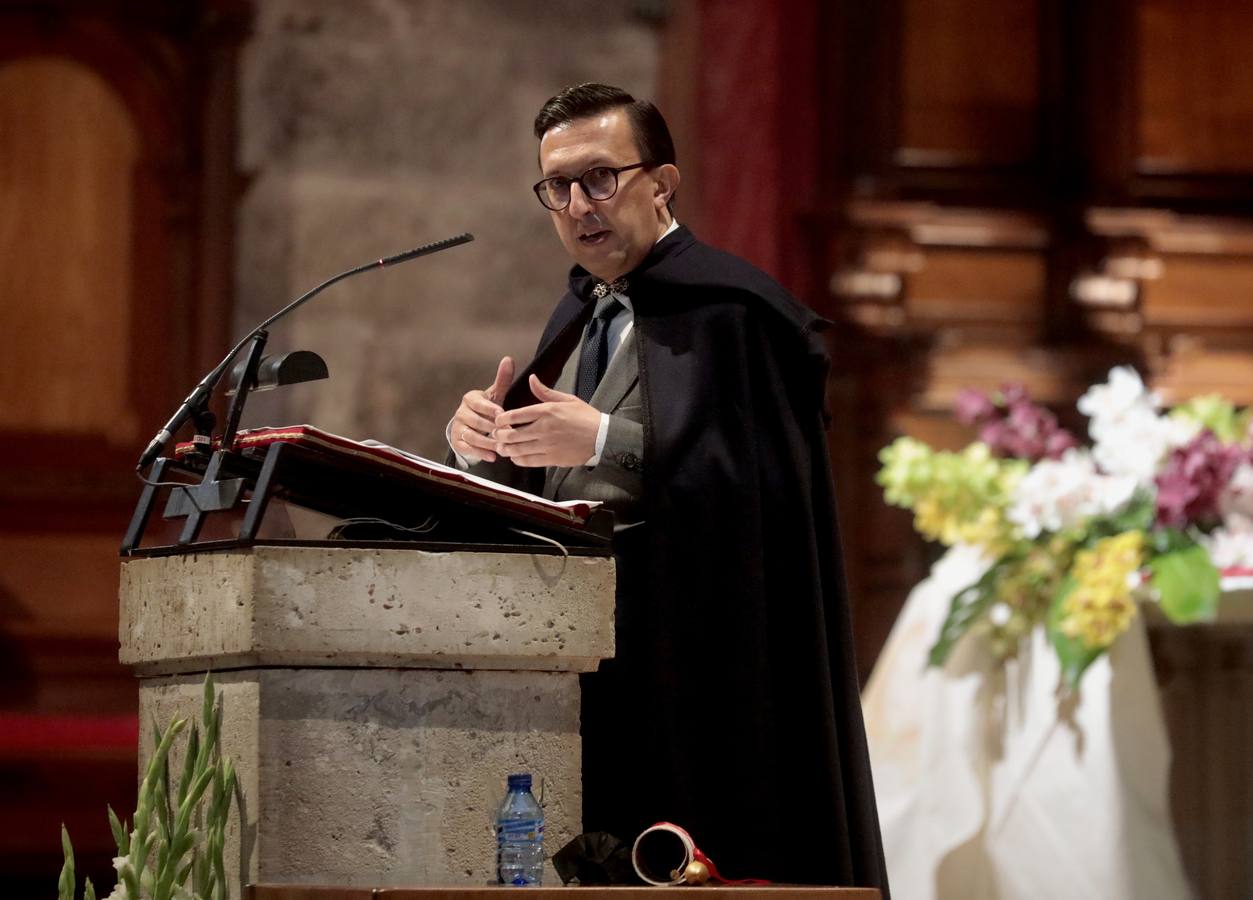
(383,776)
(374,699)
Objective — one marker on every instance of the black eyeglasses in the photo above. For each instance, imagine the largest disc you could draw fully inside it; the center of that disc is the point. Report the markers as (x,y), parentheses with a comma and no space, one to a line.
(598,183)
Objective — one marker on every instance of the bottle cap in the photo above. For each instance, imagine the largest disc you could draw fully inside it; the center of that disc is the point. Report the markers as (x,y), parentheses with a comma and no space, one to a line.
(520,782)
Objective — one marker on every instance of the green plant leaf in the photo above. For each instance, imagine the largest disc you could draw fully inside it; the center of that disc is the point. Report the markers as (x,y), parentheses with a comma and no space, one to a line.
(202,873)
(163,850)
(181,877)
(1187,583)
(120,837)
(67,881)
(1137,515)
(150,796)
(968,605)
(1074,655)
(190,761)
(1168,540)
(206,711)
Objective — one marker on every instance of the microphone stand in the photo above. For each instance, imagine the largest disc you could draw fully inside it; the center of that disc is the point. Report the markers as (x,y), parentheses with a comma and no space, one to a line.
(247,380)
(197,402)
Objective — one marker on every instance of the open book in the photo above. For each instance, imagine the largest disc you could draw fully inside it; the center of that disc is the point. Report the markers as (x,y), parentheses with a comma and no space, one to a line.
(401,463)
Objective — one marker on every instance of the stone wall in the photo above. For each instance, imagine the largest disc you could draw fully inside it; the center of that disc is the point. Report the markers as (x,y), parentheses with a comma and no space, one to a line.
(374,126)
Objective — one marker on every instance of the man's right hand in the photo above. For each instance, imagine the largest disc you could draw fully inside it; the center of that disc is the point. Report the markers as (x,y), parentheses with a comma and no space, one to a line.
(475,419)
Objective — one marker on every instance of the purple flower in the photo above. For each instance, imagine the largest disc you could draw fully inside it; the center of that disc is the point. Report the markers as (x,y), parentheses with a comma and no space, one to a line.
(971,407)
(1189,487)
(996,435)
(1058,443)
(1012,425)
(1014,394)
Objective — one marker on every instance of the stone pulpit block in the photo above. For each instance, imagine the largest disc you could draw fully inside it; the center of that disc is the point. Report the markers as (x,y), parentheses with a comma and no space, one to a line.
(375,699)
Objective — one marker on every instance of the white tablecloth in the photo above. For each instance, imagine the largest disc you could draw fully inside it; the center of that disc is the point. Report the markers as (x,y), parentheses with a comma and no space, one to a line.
(988,790)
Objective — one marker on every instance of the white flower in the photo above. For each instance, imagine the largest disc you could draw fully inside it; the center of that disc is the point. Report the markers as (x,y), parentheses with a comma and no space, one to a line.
(1232,544)
(1059,494)
(119,892)
(1129,437)
(1137,444)
(1237,496)
(999,614)
(1105,404)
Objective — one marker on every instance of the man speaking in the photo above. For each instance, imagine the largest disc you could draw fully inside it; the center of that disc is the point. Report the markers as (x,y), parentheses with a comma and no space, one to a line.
(685,389)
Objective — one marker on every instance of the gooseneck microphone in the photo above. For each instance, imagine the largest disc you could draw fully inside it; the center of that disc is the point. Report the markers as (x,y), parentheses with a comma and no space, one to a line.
(201,392)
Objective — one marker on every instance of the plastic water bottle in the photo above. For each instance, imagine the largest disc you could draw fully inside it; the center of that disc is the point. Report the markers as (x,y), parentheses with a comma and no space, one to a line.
(520,836)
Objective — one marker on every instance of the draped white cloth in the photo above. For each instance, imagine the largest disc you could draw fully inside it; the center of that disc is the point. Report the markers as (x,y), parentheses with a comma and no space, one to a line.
(988,789)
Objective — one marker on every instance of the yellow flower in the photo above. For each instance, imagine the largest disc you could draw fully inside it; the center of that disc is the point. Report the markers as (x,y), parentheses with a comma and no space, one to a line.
(1101,606)
(956,497)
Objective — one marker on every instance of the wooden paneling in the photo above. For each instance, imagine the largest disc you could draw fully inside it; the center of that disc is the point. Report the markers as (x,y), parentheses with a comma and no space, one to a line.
(1194,81)
(1174,283)
(1051,376)
(117,195)
(921,268)
(977,286)
(68,148)
(1200,293)
(970,83)
(60,585)
(1193,370)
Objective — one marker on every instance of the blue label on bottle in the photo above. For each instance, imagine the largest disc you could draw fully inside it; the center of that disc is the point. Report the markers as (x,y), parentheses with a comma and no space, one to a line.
(520,828)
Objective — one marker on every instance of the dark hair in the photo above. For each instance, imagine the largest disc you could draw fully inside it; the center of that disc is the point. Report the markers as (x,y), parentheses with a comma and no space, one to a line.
(652,136)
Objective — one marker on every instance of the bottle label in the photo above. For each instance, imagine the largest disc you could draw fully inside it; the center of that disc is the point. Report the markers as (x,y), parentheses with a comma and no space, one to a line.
(520,829)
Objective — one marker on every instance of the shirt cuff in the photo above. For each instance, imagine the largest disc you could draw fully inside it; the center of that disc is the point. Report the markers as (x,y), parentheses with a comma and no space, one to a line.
(462,462)
(601,434)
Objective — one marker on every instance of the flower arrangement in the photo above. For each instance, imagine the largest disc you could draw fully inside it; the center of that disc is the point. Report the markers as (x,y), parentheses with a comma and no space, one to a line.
(1076,535)
(179,830)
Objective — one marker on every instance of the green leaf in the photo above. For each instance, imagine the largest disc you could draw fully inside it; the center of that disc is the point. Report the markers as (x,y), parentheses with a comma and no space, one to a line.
(1168,540)
(1074,655)
(150,796)
(968,605)
(211,716)
(1187,583)
(185,871)
(66,846)
(206,712)
(219,865)
(193,797)
(67,881)
(163,850)
(202,876)
(120,837)
(190,760)
(1135,516)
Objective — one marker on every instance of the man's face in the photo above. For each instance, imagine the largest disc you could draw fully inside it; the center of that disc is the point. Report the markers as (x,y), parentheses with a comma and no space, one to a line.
(607,237)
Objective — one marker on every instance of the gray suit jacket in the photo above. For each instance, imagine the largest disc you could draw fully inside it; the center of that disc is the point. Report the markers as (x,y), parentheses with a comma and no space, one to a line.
(617,479)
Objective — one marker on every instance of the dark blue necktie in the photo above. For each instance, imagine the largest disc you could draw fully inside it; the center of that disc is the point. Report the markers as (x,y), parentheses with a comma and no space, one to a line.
(594,357)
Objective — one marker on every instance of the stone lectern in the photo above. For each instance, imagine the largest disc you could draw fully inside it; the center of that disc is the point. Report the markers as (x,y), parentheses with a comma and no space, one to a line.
(375,699)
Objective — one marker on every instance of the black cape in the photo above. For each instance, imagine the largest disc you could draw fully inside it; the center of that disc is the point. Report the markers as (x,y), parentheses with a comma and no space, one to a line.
(732,706)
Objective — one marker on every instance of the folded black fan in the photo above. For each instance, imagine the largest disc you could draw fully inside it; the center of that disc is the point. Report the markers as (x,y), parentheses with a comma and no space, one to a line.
(595,858)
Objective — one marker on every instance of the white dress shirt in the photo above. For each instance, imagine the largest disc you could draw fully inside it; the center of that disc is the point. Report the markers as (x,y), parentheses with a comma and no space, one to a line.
(619,327)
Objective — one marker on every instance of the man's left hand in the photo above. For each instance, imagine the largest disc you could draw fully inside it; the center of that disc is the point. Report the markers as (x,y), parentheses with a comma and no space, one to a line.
(560,430)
